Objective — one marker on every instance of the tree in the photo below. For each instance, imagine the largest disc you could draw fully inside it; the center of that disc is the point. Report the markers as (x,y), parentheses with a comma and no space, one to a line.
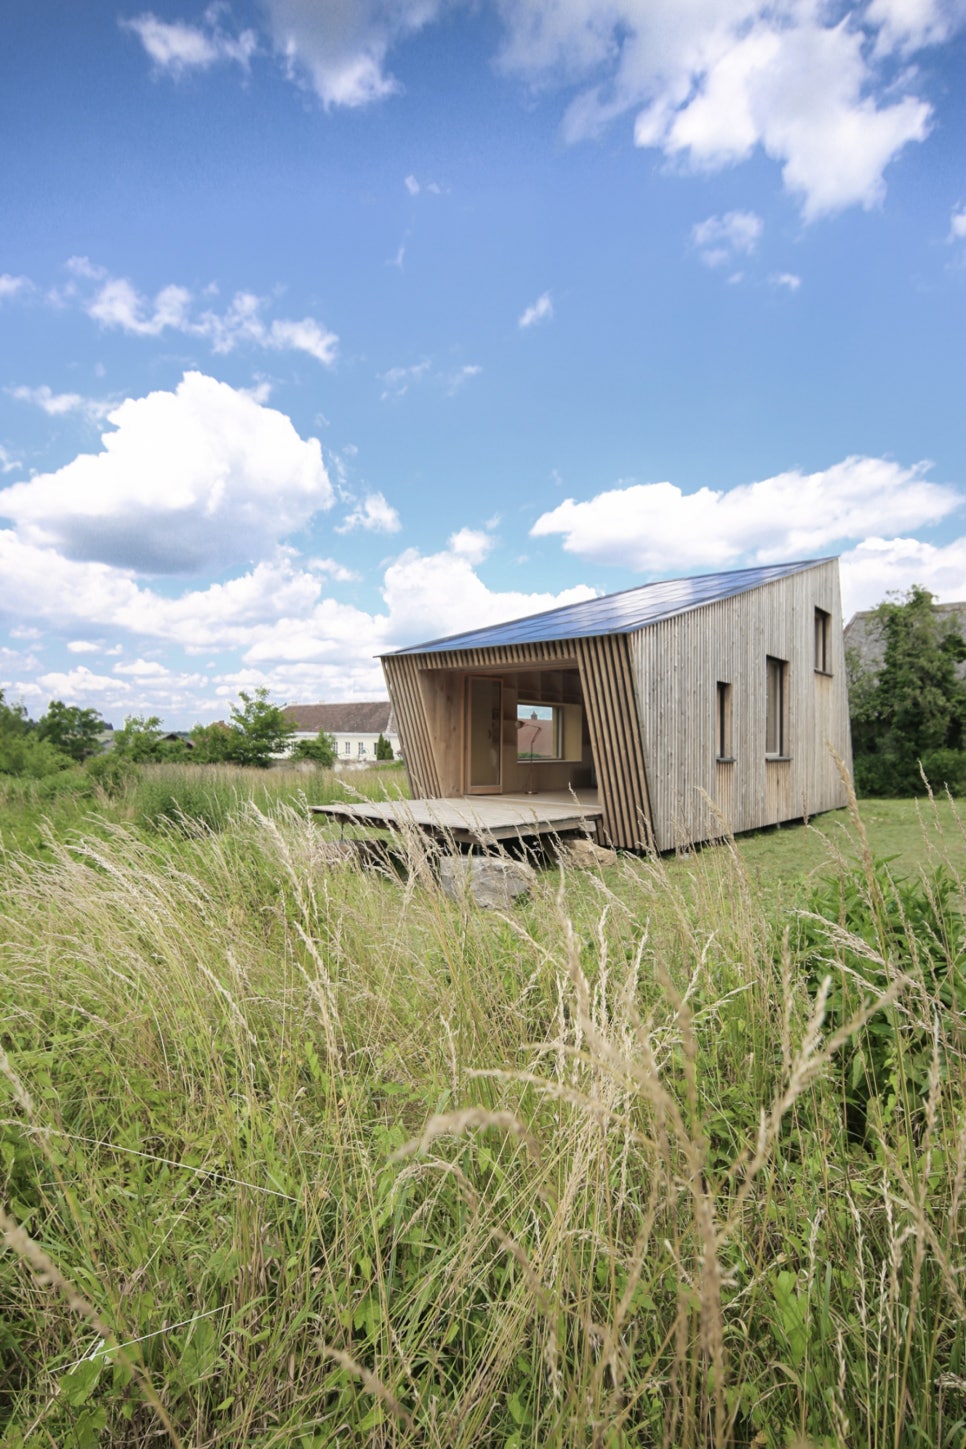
(213,744)
(383,748)
(140,738)
(71,730)
(321,749)
(13,719)
(912,709)
(259,730)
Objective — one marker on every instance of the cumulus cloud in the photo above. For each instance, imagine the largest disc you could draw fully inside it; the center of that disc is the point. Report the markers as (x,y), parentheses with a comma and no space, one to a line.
(177,47)
(8,464)
(708,88)
(539,311)
(290,636)
(789,280)
(792,515)
(721,240)
(340,50)
(373,514)
(957,224)
(431,595)
(203,477)
(470,543)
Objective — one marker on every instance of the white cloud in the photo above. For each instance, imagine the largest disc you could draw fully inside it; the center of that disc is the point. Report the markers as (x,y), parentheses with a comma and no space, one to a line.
(539,311)
(176,47)
(470,543)
(199,478)
(957,224)
(397,381)
(143,669)
(412,185)
(908,25)
(879,566)
(453,381)
(340,49)
(10,286)
(58,404)
(8,464)
(786,279)
(118,304)
(656,527)
(429,596)
(373,514)
(712,81)
(291,638)
(80,684)
(719,240)
(83,646)
(331,568)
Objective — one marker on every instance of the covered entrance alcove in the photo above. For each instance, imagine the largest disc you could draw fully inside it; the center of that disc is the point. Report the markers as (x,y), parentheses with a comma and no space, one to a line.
(537,722)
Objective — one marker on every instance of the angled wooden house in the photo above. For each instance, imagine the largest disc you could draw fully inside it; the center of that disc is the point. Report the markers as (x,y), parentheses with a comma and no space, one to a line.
(682,707)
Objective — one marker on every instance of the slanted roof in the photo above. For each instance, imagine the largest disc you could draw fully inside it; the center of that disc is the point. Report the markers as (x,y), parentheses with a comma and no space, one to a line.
(368,717)
(618,613)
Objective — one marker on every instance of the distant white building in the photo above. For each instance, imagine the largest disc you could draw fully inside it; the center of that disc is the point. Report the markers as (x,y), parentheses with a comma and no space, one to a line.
(354,727)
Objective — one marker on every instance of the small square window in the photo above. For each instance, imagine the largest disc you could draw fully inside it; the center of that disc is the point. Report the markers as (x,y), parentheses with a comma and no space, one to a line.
(823,642)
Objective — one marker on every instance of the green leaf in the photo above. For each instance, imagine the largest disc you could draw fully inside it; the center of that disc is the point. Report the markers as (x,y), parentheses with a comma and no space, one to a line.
(79,1383)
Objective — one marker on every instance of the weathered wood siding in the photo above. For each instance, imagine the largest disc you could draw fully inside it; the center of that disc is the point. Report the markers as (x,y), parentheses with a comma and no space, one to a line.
(677,665)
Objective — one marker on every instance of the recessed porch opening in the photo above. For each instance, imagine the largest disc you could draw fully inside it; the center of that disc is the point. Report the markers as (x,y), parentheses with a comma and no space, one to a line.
(519,731)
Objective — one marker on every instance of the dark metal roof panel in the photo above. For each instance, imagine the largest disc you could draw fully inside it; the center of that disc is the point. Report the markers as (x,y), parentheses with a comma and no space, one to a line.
(618,613)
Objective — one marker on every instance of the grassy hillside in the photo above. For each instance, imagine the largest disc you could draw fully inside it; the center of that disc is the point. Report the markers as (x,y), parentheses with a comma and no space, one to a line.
(294,1154)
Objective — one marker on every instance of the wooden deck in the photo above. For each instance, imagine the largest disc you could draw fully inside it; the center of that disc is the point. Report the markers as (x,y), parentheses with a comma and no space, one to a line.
(476,819)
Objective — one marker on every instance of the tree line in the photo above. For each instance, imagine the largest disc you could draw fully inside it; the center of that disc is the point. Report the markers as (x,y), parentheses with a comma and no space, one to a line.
(256,733)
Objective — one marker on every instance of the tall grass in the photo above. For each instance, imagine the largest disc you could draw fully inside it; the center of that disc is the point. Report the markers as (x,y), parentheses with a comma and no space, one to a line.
(294,1154)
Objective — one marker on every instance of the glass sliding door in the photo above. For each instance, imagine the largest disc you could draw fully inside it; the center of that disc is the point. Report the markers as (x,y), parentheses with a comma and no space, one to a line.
(484,735)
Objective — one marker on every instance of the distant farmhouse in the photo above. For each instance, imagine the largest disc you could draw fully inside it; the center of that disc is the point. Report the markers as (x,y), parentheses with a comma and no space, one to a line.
(354,727)
(682,708)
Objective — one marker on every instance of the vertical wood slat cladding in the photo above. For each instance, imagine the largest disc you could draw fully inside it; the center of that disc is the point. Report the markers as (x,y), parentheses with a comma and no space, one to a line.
(402,679)
(608,684)
(677,665)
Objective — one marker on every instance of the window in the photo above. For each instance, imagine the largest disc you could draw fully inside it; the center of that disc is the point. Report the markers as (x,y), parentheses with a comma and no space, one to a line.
(776,671)
(362,747)
(823,639)
(723,722)
(348,748)
(538,732)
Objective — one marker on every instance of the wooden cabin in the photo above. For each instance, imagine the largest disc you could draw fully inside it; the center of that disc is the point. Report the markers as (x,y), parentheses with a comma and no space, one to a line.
(685,708)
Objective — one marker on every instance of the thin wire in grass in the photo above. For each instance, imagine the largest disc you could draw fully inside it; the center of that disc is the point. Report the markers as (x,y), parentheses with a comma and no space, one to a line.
(101,1349)
(19,1241)
(211,1172)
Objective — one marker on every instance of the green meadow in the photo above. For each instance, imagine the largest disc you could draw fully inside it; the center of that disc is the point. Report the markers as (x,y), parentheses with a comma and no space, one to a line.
(294,1153)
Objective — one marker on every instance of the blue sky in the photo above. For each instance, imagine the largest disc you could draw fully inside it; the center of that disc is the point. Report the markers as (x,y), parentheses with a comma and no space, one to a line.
(329,328)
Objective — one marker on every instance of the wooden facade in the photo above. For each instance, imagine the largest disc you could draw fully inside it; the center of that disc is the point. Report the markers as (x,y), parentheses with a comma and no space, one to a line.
(724,715)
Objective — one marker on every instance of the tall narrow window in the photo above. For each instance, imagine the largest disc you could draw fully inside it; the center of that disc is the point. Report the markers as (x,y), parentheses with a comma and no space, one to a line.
(723,749)
(776,671)
(823,657)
